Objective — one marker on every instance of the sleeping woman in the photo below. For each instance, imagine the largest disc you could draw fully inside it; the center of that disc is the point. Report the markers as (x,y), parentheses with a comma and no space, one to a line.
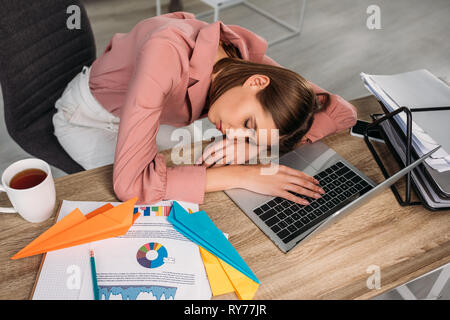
(174,69)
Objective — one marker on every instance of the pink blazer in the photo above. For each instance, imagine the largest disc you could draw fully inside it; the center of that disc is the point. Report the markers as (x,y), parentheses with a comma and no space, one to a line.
(159,72)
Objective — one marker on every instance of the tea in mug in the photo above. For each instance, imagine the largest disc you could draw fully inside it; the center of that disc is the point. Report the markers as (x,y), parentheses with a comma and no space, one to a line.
(28,178)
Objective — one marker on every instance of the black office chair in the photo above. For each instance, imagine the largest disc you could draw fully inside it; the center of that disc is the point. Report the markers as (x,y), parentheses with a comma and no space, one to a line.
(39,55)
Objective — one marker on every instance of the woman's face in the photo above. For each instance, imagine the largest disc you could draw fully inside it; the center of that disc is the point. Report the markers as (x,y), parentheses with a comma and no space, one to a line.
(239,108)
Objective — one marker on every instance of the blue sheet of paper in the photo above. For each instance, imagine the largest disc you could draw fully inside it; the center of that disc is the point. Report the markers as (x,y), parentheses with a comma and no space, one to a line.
(199,228)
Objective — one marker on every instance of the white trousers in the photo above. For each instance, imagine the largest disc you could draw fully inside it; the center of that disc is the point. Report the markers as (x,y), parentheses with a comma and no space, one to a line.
(87,132)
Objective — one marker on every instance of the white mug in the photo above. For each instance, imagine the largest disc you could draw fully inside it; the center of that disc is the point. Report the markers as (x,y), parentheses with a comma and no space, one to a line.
(34,204)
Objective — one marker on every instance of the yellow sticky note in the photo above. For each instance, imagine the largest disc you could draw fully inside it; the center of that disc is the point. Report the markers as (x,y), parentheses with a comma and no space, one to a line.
(223,278)
(218,280)
(245,287)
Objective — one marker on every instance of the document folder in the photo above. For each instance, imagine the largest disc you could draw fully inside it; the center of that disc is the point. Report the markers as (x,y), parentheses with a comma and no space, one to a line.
(377,123)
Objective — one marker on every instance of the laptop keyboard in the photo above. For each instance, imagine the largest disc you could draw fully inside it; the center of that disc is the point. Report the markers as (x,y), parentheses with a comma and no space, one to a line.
(289,219)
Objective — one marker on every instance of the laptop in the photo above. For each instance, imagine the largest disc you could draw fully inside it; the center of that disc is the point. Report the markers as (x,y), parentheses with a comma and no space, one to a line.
(287,223)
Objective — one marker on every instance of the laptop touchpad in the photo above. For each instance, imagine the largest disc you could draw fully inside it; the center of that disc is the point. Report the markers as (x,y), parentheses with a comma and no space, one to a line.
(292,160)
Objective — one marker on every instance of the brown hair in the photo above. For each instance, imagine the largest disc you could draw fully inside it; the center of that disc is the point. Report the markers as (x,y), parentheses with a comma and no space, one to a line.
(289,98)
(231,50)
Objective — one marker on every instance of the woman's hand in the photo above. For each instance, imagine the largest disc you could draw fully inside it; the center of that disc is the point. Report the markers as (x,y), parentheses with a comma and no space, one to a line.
(227,151)
(281,183)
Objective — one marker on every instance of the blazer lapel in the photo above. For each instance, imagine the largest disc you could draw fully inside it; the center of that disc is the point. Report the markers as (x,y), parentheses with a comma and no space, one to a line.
(200,67)
(197,97)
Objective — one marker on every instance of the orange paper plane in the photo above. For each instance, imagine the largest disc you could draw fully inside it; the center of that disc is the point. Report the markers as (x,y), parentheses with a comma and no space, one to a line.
(76,228)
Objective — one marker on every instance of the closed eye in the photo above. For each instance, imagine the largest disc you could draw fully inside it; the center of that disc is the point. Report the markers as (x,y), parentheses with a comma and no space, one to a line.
(255,127)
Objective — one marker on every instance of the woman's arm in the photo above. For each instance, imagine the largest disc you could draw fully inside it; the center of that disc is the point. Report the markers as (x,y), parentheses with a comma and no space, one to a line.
(138,168)
(339,115)
(223,178)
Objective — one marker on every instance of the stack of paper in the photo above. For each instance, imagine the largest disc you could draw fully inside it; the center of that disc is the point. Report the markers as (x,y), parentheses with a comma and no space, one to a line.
(425,189)
(149,260)
(141,252)
(418,89)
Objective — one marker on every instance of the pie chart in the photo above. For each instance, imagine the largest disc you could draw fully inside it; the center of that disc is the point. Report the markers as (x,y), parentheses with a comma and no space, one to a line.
(151,255)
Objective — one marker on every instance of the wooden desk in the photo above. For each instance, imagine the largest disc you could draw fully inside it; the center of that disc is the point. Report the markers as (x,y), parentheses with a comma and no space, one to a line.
(405,242)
